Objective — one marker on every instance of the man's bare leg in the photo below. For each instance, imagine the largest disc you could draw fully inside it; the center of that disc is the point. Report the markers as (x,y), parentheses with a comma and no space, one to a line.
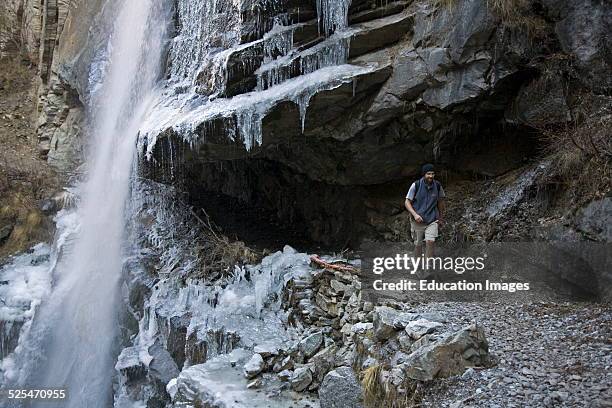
(429,249)
(418,250)
(429,253)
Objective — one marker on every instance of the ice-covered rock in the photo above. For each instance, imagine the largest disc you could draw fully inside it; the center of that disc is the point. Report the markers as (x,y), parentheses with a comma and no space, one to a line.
(217,383)
(162,366)
(266,349)
(25,280)
(254,366)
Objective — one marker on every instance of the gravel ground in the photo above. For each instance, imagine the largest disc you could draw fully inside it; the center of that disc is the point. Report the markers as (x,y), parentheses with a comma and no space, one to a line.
(545,355)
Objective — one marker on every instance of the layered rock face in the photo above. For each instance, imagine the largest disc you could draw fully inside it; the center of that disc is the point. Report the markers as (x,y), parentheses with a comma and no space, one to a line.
(36,27)
(326,122)
(67,79)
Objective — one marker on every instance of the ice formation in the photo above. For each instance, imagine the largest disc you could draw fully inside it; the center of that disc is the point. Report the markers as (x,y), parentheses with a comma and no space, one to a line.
(198,72)
(205,28)
(333,14)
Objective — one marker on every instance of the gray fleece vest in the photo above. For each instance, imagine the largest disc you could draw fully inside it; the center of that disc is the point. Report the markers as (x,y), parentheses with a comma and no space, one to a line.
(425,202)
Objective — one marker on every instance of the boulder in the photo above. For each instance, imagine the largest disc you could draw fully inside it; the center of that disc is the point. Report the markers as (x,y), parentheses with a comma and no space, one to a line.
(387,321)
(594,219)
(285,375)
(362,328)
(284,364)
(422,342)
(254,366)
(383,322)
(323,361)
(309,345)
(450,355)
(418,328)
(301,378)
(340,389)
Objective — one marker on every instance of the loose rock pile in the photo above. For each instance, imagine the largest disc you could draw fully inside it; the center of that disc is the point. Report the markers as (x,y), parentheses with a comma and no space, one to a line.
(344,337)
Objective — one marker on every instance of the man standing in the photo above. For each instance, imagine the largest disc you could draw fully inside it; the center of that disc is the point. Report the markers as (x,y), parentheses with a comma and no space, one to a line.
(425,201)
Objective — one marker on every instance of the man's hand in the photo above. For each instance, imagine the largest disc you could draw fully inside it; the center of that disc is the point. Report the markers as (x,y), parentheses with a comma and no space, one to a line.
(418,218)
(440,222)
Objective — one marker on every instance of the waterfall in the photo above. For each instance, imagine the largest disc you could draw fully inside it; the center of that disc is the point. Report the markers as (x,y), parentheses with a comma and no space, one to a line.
(73,338)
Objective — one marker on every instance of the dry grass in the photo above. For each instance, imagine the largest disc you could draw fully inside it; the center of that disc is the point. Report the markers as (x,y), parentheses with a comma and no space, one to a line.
(15,73)
(373,390)
(28,223)
(380,394)
(582,149)
(25,178)
(518,15)
(219,253)
(444,3)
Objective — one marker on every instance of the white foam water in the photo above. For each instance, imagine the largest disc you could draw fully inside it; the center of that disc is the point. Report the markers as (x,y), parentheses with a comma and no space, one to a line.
(73,337)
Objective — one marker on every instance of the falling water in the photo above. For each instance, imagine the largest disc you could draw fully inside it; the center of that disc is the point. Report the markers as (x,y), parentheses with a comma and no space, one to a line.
(76,329)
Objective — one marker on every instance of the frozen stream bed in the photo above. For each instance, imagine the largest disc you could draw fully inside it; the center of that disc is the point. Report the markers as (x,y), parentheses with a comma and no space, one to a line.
(220,382)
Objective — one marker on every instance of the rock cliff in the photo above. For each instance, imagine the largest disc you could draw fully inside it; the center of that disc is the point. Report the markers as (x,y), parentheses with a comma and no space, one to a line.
(346,109)
(471,85)
(319,114)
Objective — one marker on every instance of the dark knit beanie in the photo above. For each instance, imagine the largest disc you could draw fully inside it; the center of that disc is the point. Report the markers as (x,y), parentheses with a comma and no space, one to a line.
(426,168)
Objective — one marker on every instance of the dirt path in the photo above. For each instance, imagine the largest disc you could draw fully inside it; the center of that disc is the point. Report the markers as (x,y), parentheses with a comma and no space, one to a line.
(547,355)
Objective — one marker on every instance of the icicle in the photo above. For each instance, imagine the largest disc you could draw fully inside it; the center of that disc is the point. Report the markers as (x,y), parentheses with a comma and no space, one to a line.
(333,51)
(303,100)
(200,22)
(332,15)
(276,69)
(249,127)
(278,41)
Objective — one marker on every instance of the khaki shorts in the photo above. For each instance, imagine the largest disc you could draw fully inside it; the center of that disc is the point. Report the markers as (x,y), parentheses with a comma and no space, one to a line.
(422,231)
